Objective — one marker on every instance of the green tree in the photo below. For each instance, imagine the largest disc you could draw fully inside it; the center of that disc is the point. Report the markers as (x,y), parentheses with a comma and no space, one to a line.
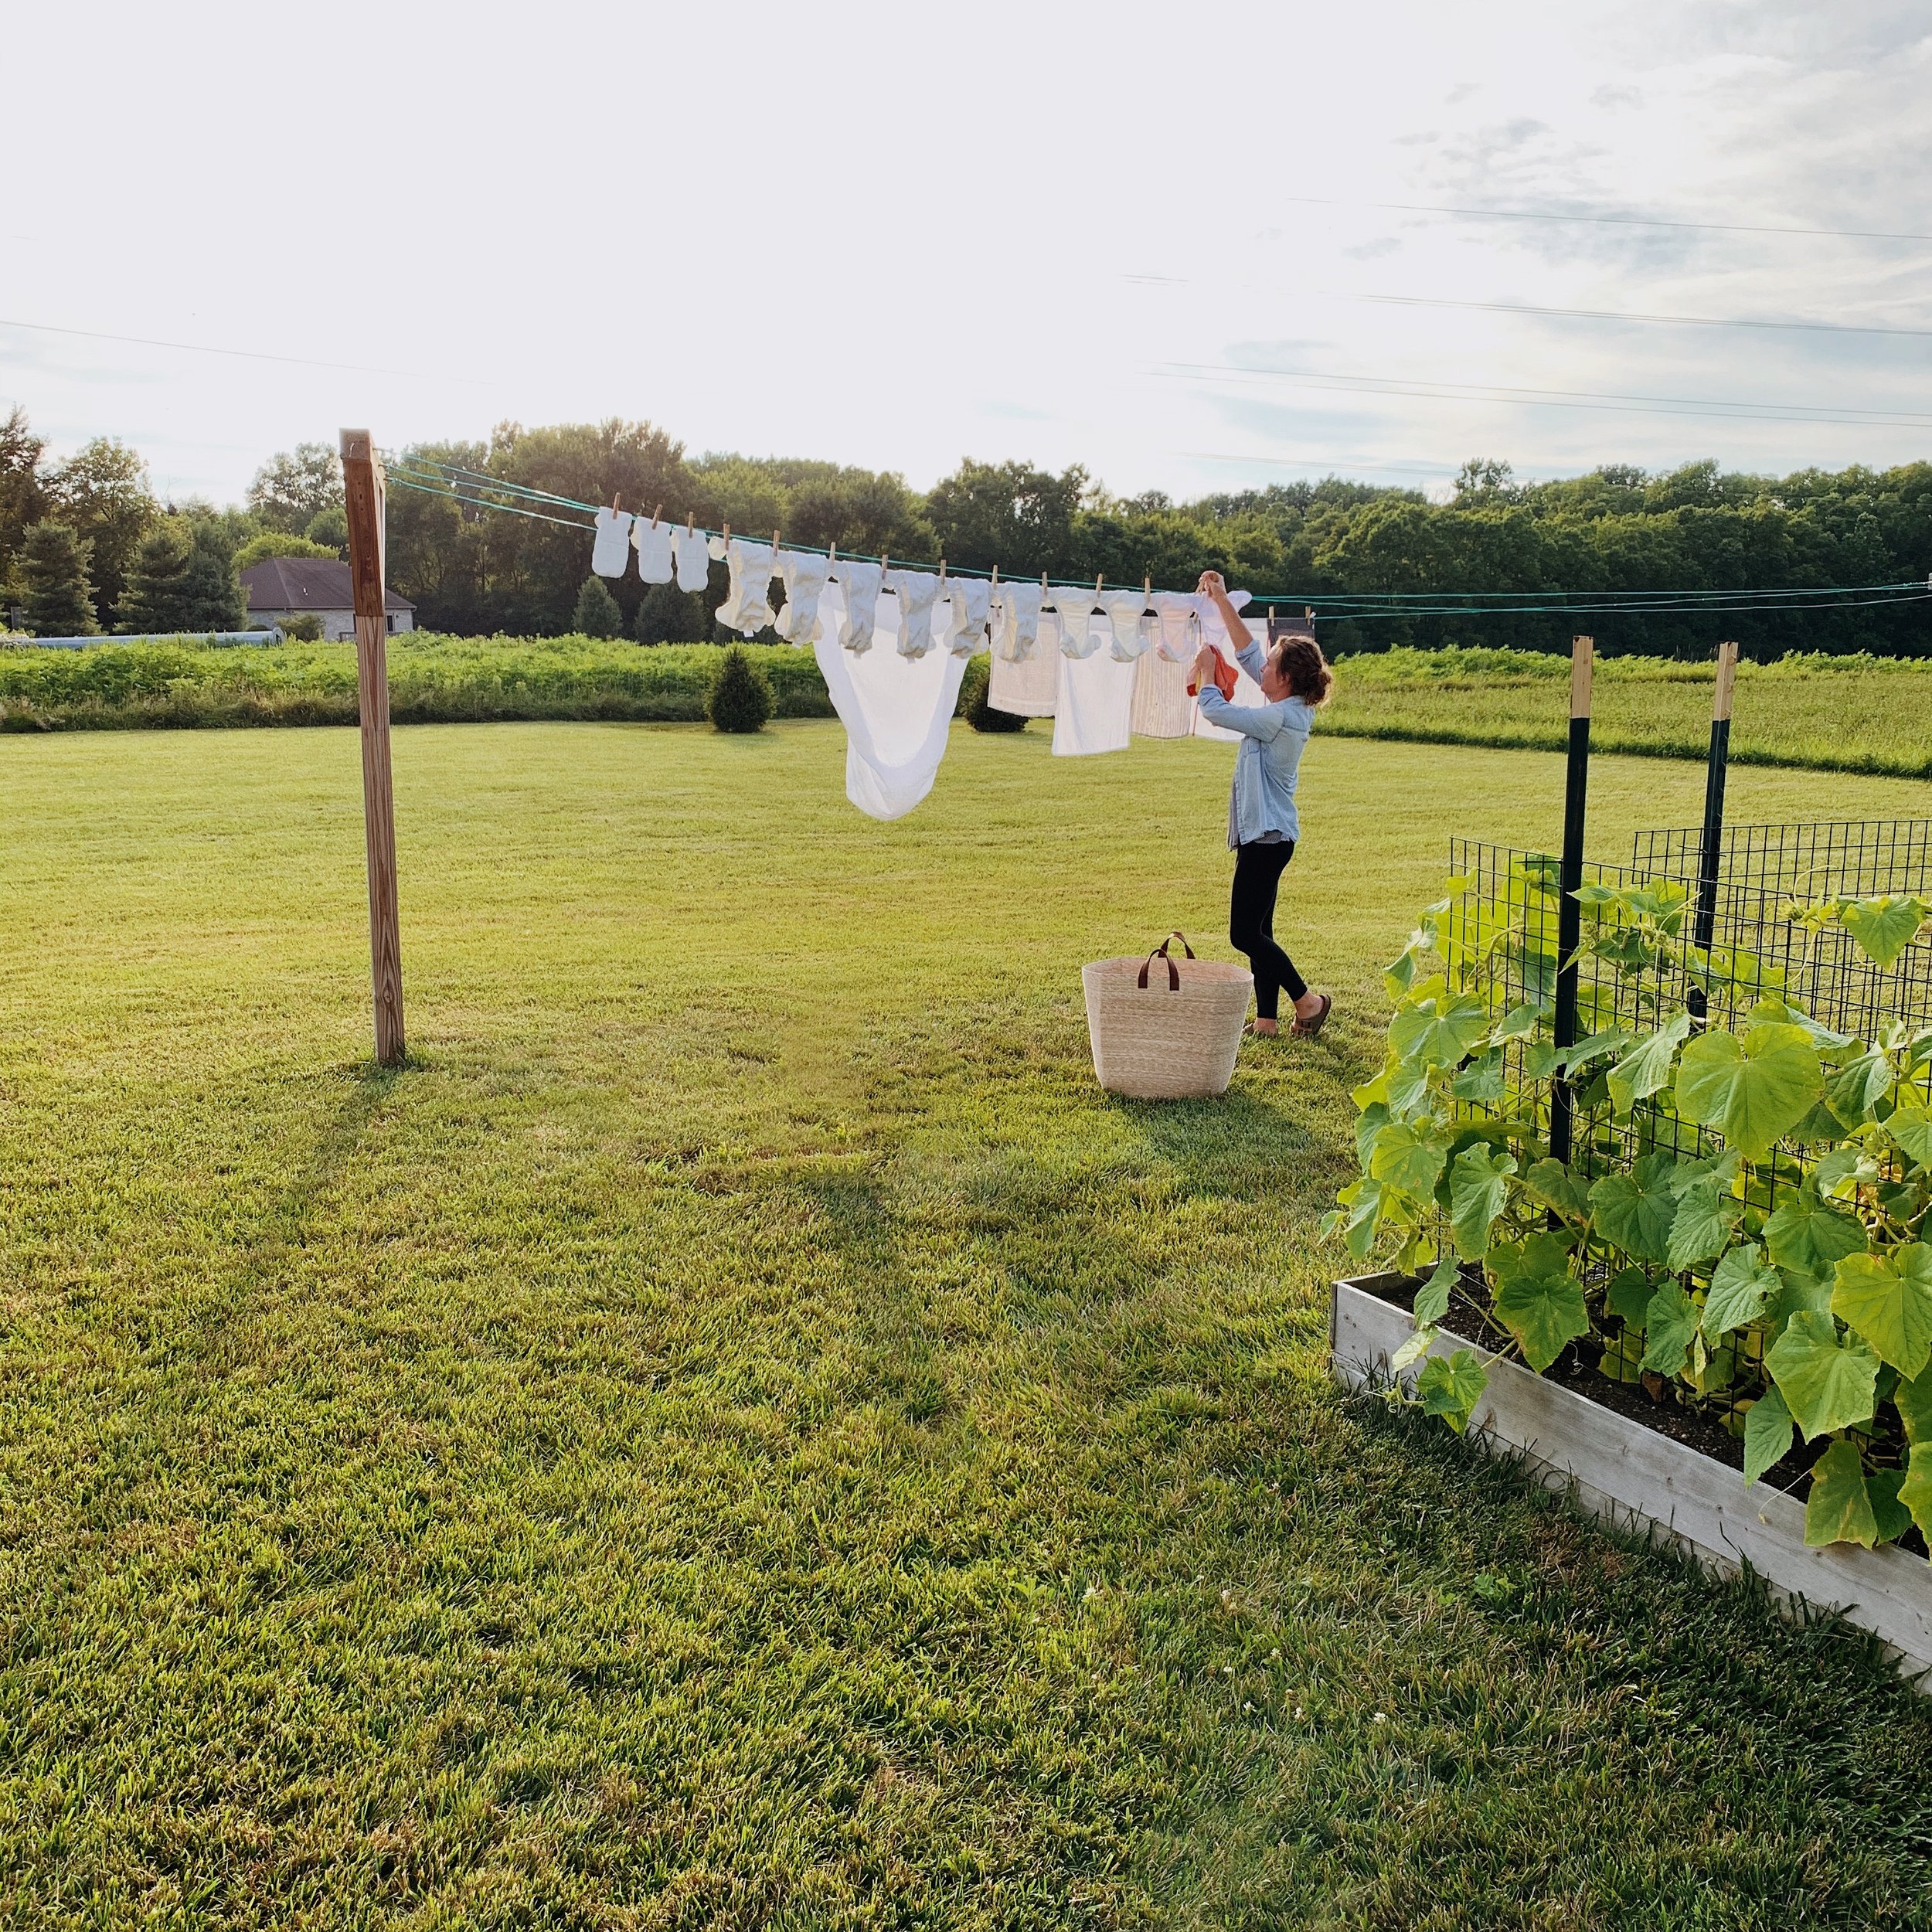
(271,543)
(154,600)
(53,573)
(22,492)
(1010,513)
(212,597)
(294,487)
(668,615)
(329,528)
(974,688)
(101,494)
(740,697)
(596,614)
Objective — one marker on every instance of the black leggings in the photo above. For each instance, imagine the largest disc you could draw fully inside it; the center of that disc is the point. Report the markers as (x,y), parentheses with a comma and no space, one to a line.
(1257,876)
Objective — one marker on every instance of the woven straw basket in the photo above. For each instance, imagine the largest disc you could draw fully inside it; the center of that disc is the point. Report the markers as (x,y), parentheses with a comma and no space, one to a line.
(1172,1036)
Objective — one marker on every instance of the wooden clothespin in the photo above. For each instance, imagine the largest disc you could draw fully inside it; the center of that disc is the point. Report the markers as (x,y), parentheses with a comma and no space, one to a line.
(689,522)
(654,515)
(617,502)
(774,546)
(727,533)
(942,573)
(1147,587)
(885,564)
(831,556)
(1096,584)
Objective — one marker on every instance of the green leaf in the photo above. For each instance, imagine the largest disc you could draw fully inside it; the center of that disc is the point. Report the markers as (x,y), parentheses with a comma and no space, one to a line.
(1670,1326)
(1365,1201)
(1887,1298)
(1704,1222)
(1368,1123)
(1884,928)
(1479,1191)
(1537,1299)
(1893,1518)
(1911,1127)
(1751,1091)
(1806,1235)
(1407,1087)
(1635,1211)
(1767,1434)
(1553,1184)
(1646,1068)
(1520,1023)
(1420,1341)
(1628,1296)
(1739,1288)
(1858,1087)
(1839,1509)
(1913,1401)
(1826,1384)
(1915,1492)
(1451,1386)
(1840,1173)
(1484,1080)
(1439,1031)
(1410,1154)
(1798,1290)
(1432,1298)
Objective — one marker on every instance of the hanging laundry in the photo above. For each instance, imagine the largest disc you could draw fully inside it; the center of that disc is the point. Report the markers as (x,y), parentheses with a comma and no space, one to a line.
(746,608)
(1162,708)
(804,576)
(653,541)
(859,602)
(610,549)
(1075,610)
(1027,687)
(915,591)
(1094,709)
(1125,611)
(692,550)
(897,715)
(1246,692)
(963,629)
(1016,608)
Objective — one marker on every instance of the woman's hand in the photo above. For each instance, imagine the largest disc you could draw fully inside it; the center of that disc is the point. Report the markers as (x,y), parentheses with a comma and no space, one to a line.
(1207,661)
(1211,585)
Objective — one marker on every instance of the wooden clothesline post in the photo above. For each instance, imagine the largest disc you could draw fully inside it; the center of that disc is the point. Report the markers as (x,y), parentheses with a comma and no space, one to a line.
(362,492)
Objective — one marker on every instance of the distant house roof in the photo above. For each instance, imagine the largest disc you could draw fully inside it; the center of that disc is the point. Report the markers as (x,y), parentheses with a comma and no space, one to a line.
(306,583)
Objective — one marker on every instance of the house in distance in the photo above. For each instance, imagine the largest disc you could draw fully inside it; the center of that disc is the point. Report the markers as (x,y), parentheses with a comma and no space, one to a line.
(281,587)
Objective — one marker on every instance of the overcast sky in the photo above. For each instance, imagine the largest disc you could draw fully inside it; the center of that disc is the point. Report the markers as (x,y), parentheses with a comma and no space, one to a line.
(897,235)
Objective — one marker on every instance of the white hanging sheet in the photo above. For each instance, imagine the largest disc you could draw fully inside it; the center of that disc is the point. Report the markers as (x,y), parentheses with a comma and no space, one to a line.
(1162,707)
(897,711)
(1028,687)
(1095,707)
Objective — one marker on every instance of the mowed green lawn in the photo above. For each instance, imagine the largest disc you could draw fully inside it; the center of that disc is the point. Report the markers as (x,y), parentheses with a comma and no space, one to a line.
(742,1432)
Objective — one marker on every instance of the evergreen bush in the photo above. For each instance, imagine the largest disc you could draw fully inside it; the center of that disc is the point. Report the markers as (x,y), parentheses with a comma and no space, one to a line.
(668,615)
(740,698)
(596,614)
(975,689)
(53,574)
(154,600)
(211,595)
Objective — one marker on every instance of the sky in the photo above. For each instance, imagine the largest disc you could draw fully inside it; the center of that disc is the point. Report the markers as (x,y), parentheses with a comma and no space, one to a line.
(1156,240)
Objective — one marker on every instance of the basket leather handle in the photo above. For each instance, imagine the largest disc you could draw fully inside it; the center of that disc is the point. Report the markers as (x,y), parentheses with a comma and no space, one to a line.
(1160,952)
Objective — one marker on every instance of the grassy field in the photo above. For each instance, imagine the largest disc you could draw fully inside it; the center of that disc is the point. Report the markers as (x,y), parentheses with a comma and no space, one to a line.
(1869,715)
(1855,714)
(741,1432)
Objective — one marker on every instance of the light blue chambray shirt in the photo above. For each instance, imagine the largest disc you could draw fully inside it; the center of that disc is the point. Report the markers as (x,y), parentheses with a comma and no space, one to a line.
(1268,759)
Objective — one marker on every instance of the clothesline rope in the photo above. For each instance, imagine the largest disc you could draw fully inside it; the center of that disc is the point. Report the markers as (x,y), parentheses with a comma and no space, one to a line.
(450,481)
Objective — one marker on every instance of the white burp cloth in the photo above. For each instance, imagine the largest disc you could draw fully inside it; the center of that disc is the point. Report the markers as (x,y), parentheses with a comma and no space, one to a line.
(653,551)
(915,591)
(1016,608)
(859,586)
(692,550)
(1094,712)
(1074,610)
(963,630)
(1027,687)
(746,608)
(1125,610)
(1181,634)
(1162,708)
(610,550)
(897,712)
(805,581)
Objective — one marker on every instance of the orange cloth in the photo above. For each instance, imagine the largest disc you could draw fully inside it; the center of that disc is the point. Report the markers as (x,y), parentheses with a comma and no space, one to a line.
(1224,676)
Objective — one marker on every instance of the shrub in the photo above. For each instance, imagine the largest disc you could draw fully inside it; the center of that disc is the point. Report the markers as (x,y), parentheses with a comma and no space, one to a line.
(668,615)
(273,543)
(975,689)
(155,598)
(302,627)
(596,614)
(740,698)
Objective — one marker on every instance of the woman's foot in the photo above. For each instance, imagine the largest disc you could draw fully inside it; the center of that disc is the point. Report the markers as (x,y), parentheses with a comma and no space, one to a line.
(1265,1029)
(1311,1011)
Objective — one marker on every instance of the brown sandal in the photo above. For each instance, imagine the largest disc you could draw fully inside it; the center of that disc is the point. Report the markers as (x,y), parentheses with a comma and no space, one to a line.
(1307,1028)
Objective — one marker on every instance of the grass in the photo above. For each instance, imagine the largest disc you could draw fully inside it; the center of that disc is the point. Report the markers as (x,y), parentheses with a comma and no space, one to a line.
(740,1432)
(1853,714)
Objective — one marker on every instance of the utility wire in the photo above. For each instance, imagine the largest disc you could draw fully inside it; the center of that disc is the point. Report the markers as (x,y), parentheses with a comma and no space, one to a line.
(244,354)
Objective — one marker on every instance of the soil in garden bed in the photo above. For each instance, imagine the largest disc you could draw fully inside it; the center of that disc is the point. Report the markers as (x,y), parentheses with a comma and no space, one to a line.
(1577,1367)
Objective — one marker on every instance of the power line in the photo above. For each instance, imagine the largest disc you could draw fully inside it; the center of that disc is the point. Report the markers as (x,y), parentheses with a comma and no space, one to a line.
(1322,380)
(1627,221)
(242,355)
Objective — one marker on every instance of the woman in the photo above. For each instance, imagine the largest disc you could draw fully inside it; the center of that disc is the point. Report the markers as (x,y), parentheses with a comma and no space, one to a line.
(1263,823)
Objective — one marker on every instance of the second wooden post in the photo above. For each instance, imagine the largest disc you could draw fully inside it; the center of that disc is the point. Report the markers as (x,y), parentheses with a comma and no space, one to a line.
(362,493)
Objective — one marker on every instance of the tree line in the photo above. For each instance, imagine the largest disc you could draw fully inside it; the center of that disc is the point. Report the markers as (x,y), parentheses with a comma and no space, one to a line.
(86,542)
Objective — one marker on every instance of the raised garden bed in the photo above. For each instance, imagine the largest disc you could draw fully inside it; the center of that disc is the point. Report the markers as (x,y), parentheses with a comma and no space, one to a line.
(1623,1469)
